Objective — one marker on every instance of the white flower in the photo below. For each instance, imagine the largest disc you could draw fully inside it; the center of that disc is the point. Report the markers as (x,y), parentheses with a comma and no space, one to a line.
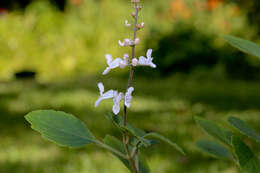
(127,24)
(111,63)
(107,95)
(124,62)
(147,61)
(134,62)
(117,98)
(127,42)
(128,96)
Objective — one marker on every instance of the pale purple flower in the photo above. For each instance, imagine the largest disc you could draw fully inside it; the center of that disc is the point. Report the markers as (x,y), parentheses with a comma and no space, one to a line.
(128,96)
(124,62)
(127,42)
(107,95)
(137,41)
(142,25)
(111,63)
(147,61)
(117,98)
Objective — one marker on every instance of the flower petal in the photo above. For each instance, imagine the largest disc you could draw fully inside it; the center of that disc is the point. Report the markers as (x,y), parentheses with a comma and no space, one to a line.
(121,43)
(109,94)
(109,58)
(106,71)
(128,96)
(115,63)
(152,65)
(142,60)
(149,53)
(117,99)
(101,88)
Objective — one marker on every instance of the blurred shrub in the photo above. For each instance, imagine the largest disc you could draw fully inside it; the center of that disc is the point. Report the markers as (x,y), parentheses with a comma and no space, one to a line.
(195,41)
(184,35)
(56,44)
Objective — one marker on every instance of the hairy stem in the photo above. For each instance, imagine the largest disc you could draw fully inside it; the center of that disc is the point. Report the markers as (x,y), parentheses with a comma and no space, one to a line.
(131,73)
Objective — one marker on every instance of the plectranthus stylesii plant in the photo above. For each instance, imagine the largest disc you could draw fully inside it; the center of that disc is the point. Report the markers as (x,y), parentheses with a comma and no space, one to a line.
(67,130)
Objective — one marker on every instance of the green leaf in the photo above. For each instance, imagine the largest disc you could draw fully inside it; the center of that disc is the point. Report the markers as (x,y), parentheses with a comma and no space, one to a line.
(244,128)
(60,127)
(214,149)
(214,130)
(164,139)
(118,145)
(247,159)
(243,45)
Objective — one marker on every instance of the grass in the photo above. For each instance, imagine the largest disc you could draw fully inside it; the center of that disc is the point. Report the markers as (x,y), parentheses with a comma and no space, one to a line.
(162,105)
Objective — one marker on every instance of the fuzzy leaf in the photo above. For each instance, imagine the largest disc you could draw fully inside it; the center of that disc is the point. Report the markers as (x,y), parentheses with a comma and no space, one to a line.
(118,145)
(243,45)
(60,127)
(247,159)
(244,128)
(214,149)
(214,130)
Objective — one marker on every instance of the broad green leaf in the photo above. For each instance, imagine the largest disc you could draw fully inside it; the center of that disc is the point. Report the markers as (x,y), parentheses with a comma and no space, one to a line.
(164,139)
(244,128)
(247,159)
(60,127)
(214,149)
(214,130)
(118,145)
(129,129)
(243,45)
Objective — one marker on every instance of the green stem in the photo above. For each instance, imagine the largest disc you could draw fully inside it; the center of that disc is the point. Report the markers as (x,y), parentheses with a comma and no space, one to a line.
(103,145)
(131,72)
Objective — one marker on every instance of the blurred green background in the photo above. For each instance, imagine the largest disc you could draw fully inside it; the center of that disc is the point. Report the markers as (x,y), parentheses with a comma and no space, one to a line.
(197,74)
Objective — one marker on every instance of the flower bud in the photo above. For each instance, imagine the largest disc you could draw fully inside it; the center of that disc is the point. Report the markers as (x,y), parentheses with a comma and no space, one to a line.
(135,1)
(139,7)
(137,41)
(134,62)
(142,25)
(133,14)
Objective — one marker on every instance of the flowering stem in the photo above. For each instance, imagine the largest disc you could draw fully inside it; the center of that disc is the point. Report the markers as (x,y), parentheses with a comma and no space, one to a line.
(131,72)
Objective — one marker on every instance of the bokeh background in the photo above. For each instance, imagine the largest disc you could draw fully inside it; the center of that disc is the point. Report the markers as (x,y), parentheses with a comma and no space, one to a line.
(52,57)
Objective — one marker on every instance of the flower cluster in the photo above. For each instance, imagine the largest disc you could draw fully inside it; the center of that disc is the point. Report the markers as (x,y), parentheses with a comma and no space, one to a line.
(126,61)
(118,62)
(116,96)
(122,63)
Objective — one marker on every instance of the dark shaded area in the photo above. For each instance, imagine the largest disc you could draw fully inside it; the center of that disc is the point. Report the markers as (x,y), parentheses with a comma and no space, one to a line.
(25,74)
(253,10)
(22,4)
